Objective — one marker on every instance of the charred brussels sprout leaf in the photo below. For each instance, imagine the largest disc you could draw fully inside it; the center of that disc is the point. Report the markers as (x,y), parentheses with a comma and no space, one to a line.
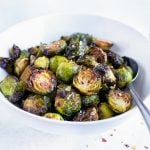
(39,81)
(53,116)
(35,104)
(90,100)
(87,82)
(14,52)
(66,70)
(88,114)
(105,111)
(56,61)
(12,88)
(119,101)
(67,101)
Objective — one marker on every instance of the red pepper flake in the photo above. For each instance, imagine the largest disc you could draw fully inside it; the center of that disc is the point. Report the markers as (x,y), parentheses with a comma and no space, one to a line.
(146,147)
(126,145)
(104,140)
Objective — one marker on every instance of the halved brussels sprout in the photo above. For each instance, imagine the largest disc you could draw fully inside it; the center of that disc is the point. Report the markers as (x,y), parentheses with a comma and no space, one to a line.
(87,82)
(7,64)
(35,104)
(66,70)
(39,81)
(114,59)
(41,62)
(14,52)
(88,114)
(53,116)
(119,101)
(124,76)
(105,111)
(12,88)
(55,61)
(104,44)
(36,51)
(21,63)
(67,101)
(54,48)
(90,100)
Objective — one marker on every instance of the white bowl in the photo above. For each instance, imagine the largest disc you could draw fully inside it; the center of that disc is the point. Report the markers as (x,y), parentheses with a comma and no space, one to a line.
(50,27)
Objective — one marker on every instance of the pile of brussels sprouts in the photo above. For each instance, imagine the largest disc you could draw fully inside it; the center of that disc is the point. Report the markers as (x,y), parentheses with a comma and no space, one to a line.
(76,78)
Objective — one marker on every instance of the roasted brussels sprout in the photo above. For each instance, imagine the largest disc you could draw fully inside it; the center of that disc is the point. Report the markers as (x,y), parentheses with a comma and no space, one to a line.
(105,111)
(35,104)
(53,116)
(12,88)
(41,62)
(66,70)
(124,76)
(39,81)
(54,48)
(119,101)
(90,100)
(21,63)
(87,82)
(107,76)
(36,51)
(67,101)
(56,61)
(7,64)
(88,114)
(14,52)
(104,44)
(115,60)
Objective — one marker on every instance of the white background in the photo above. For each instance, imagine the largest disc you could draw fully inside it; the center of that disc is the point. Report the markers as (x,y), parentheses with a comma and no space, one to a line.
(15,136)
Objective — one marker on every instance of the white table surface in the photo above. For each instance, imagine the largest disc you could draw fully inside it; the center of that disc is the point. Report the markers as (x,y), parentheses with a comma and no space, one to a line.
(132,134)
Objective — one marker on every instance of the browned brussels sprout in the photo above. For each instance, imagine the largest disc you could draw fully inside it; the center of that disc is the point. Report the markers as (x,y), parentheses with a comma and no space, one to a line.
(105,111)
(39,81)
(67,101)
(35,104)
(87,82)
(88,114)
(7,64)
(124,76)
(54,116)
(66,70)
(12,88)
(90,100)
(115,60)
(14,52)
(119,101)
(21,63)
(104,44)
(55,61)
(54,48)
(36,51)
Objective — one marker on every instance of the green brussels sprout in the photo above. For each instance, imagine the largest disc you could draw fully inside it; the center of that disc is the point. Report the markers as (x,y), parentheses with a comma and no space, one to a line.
(105,111)
(7,64)
(104,44)
(115,60)
(119,101)
(39,81)
(90,100)
(66,70)
(54,48)
(87,82)
(78,46)
(12,88)
(55,61)
(36,104)
(41,62)
(88,114)
(107,76)
(67,101)
(14,52)
(21,63)
(53,116)
(124,76)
